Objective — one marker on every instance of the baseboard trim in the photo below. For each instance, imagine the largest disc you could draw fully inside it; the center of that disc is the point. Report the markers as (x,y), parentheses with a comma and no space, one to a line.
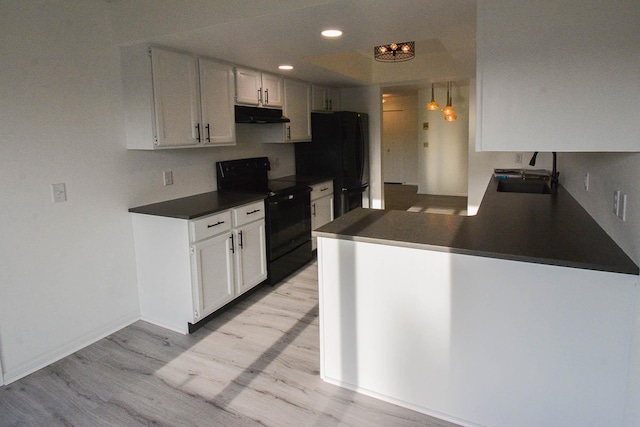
(399,402)
(65,350)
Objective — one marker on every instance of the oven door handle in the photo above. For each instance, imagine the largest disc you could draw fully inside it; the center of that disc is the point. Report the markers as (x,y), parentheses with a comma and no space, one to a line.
(284,197)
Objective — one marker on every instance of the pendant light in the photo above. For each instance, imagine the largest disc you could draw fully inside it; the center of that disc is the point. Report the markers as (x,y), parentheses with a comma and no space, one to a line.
(448,111)
(432,105)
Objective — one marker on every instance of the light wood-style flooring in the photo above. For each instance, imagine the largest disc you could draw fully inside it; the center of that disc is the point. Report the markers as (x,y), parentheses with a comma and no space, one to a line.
(406,198)
(257,364)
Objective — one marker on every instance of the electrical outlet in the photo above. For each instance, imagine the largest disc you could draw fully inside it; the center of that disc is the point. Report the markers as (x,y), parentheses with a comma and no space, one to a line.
(58,193)
(616,202)
(167,177)
(586,181)
(518,157)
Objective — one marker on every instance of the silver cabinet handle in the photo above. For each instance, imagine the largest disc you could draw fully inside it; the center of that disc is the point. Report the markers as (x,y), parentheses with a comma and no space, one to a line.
(260,96)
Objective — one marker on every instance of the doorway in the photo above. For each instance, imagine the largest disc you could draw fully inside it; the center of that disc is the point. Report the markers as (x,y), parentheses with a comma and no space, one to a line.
(422,151)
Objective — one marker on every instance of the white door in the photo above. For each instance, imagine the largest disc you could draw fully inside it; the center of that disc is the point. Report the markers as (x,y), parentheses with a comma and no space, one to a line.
(216,93)
(399,145)
(272,90)
(213,274)
(251,257)
(296,108)
(175,93)
(248,86)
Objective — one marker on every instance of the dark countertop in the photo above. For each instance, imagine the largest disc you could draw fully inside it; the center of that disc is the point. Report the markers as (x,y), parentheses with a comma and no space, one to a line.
(539,228)
(199,205)
(192,207)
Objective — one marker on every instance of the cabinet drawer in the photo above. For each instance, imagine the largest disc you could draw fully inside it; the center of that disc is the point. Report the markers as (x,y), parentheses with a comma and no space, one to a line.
(248,213)
(321,189)
(210,226)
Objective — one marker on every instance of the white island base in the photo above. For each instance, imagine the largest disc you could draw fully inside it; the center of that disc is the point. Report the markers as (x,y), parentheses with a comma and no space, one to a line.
(477,341)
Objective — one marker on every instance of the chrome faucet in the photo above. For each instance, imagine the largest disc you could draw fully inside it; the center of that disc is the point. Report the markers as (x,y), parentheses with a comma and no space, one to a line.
(554,173)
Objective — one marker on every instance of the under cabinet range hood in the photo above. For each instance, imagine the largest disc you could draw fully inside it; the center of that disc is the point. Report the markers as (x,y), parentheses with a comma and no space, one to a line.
(246,114)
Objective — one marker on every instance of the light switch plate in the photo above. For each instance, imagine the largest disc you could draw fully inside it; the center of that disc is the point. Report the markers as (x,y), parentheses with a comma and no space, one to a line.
(167,176)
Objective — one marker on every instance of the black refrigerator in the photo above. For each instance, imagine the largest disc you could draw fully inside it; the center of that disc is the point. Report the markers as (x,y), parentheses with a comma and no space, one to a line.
(339,148)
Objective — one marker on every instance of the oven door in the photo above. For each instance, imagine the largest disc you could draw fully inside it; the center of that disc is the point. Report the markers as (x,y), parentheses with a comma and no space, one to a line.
(288,222)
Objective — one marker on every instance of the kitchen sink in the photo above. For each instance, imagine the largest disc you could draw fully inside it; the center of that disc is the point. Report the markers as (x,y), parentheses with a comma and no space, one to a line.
(523,186)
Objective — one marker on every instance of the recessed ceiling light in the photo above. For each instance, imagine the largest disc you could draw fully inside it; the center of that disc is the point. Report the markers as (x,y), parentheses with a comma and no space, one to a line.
(286,67)
(331,33)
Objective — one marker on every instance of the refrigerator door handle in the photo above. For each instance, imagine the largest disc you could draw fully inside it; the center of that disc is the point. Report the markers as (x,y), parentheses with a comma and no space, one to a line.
(355,190)
(362,150)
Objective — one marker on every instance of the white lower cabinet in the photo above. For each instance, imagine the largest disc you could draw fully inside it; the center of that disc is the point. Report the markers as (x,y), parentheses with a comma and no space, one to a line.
(189,269)
(229,264)
(213,274)
(250,259)
(321,206)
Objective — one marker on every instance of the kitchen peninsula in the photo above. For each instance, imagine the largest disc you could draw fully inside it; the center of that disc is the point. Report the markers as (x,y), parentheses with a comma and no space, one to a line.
(521,315)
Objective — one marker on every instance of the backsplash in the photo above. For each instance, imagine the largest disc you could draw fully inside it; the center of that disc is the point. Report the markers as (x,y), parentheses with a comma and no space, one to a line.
(608,172)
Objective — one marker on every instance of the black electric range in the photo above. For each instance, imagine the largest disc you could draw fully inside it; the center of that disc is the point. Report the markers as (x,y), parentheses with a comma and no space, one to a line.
(287,212)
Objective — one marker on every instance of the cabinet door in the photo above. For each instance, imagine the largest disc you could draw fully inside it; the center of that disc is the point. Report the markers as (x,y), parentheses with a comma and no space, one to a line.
(321,214)
(333,99)
(212,274)
(319,98)
(272,90)
(251,258)
(248,86)
(175,96)
(297,104)
(216,94)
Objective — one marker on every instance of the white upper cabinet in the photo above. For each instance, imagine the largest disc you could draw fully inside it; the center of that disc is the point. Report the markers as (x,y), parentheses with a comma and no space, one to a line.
(258,88)
(272,90)
(248,86)
(325,98)
(175,96)
(174,100)
(217,92)
(297,107)
(161,98)
(558,76)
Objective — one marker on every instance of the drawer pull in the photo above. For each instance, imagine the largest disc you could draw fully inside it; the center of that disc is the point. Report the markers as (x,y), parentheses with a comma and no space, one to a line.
(213,225)
(253,211)
(324,189)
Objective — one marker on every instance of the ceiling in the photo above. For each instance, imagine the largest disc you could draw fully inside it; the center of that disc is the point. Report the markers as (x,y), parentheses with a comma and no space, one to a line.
(266,33)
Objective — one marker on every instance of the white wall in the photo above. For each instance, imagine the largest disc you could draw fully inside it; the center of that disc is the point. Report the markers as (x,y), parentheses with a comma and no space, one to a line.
(443,164)
(609,172)
(68,269)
